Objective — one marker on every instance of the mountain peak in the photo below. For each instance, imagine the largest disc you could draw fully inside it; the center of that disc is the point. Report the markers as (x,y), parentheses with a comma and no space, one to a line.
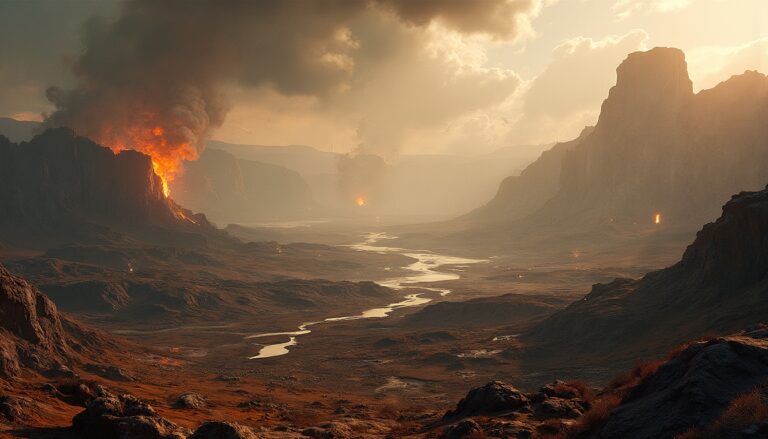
(649,85)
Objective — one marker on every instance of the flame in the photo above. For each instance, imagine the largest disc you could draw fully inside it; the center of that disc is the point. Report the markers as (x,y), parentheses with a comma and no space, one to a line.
(657,218)
(153,140)
(360,201)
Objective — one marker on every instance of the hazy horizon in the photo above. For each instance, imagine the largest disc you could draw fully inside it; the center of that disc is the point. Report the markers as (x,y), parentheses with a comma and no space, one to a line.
(535,73)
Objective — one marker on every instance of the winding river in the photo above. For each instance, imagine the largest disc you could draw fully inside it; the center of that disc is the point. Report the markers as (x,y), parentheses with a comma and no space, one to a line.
(422,271)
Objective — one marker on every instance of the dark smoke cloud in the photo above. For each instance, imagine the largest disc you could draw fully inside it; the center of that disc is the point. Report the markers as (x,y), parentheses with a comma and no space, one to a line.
(164,63)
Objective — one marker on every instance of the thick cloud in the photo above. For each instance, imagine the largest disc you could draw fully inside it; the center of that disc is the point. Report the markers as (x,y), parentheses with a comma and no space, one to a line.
(564,98)
(164,64)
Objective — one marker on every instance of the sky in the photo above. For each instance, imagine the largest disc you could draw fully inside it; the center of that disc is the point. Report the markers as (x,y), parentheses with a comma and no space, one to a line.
(375,76)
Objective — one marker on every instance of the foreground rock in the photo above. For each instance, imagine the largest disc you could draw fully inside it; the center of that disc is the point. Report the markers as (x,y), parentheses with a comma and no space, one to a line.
(708,389)
(494,397)
(501,410)
(223,430)
(693,389)
(124,416)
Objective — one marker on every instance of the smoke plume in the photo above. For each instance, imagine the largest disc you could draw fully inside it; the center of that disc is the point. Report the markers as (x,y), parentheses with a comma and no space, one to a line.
(153,78)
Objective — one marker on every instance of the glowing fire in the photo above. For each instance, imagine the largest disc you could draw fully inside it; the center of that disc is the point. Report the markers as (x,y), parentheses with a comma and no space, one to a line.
(657,218)
(360,201)
(165,154)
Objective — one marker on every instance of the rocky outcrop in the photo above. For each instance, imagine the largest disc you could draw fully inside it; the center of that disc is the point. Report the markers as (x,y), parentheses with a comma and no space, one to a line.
(16,409)
(228,188)
(124,416)
(31,331)
(223,430)
(462,430)
(493,397)
(498,409)
(658,147)
(719,286)
(190,401)
(693,388)
(704,389)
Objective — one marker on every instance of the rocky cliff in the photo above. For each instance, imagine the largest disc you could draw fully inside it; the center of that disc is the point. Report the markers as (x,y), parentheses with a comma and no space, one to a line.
(524,194)
(658,147)
(60,186)
(58,175)
(719,286)
(31,331)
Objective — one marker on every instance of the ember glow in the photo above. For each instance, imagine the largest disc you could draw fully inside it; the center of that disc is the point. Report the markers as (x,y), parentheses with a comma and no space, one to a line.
(657,218)
(360,201)
(166,155)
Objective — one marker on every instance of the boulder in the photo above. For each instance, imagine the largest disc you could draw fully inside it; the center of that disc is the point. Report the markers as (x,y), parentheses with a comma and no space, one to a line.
(493,397)
(462,430)
(222,430)
(190,401)
(15,409)
(125,417)
(691,390)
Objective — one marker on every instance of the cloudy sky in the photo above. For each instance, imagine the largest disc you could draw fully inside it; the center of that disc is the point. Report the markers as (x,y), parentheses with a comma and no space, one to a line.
(383,76)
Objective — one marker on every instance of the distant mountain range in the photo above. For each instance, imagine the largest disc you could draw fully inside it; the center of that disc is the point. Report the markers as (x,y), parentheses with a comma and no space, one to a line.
(412,185)
(250,183)
(232,189)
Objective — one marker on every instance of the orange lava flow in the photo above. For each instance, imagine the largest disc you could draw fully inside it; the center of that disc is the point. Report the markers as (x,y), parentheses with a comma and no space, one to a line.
(166,155)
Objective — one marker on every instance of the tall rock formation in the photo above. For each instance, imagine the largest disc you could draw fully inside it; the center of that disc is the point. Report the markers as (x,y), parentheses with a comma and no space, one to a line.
(658,147)
(62,186)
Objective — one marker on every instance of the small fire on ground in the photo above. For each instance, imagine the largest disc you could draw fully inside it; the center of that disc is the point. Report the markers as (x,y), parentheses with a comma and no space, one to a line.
(657,218)
(360,201)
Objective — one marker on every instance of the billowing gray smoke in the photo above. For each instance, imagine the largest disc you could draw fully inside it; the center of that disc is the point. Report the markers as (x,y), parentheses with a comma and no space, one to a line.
(152,79)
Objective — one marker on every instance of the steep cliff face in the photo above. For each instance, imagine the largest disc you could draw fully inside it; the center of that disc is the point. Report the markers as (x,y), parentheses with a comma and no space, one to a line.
(58,175)
(657,148)
(719,286)
(521,195)
(31,331)
(228,188)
